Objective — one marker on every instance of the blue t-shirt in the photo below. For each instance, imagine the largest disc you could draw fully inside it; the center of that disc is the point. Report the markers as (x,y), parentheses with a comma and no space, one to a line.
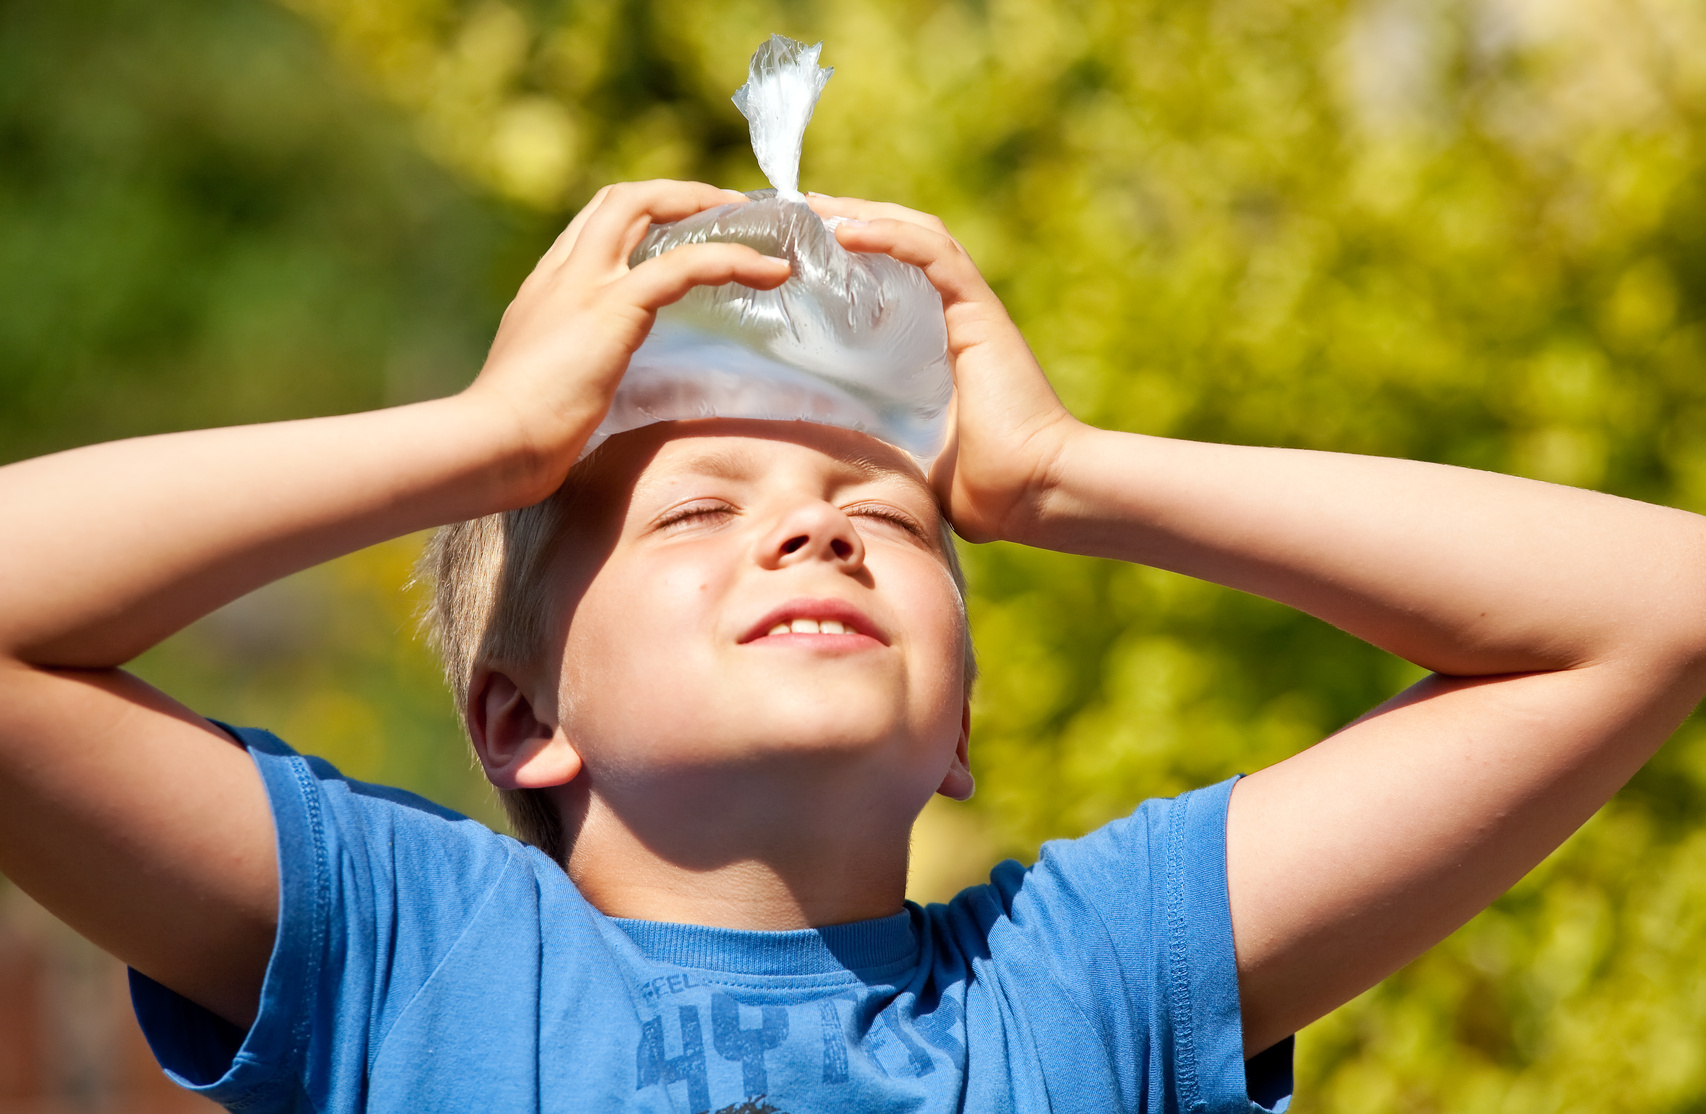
(426,963)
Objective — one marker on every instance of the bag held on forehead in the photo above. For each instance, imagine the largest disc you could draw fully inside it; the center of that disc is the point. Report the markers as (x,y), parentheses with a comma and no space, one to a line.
(850,339)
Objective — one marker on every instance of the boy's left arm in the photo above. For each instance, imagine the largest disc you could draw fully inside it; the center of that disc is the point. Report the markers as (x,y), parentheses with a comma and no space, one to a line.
(1566,631)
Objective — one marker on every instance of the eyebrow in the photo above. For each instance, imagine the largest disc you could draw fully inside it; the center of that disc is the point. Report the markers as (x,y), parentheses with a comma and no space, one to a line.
(719,463)
(735,464)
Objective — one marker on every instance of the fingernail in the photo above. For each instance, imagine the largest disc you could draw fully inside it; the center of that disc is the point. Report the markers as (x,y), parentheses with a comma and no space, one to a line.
(778,259)
(851,223)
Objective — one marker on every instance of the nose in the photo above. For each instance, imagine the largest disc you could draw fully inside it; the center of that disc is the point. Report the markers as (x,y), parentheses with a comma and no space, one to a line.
(813,531)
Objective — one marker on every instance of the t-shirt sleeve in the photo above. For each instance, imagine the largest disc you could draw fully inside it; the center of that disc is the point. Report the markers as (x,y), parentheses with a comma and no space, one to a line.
(375,886)
(1134,926)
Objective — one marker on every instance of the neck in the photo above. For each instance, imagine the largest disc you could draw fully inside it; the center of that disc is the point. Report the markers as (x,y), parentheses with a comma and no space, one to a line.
(729,853)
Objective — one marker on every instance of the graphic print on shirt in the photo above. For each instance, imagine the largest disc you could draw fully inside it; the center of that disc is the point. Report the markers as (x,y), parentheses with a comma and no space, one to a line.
(688,1068)
(938,1027)
(747,1045)
(762,1037)
(834,1043)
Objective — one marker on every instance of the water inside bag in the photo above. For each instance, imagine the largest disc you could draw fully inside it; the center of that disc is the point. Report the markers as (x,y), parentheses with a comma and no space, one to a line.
(851,339)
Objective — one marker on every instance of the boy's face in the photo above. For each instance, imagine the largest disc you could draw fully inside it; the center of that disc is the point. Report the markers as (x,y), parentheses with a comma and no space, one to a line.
(754,595)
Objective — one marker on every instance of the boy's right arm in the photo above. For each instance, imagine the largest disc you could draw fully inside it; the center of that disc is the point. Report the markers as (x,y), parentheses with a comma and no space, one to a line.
(138,822)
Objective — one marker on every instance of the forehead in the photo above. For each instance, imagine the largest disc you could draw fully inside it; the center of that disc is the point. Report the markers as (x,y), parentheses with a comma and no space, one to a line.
(638,473)
(655,461)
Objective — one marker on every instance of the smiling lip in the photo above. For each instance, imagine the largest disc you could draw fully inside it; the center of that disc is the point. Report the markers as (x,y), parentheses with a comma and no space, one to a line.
(857,622)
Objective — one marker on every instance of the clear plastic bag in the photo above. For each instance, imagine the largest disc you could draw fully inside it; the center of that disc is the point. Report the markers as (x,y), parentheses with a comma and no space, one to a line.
(851,339)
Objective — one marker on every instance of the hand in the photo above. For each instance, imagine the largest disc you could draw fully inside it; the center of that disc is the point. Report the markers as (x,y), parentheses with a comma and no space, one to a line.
(111,548)
(566,339)
(1007,428)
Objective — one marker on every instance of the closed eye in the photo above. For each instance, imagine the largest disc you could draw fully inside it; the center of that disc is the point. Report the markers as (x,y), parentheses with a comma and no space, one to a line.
(885,512)
(700,511)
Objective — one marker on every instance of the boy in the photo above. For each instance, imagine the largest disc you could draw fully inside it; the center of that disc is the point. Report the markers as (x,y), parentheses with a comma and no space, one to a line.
(718,674)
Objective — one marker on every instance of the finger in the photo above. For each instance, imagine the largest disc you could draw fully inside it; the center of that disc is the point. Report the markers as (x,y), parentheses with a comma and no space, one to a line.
(668,277)
(854,208)
(941,258)
(565,242)
(722,197)
(634,205)
(564,245)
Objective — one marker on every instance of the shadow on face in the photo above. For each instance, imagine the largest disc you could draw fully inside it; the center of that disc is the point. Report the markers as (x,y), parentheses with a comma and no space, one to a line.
(597,496)
(747,606)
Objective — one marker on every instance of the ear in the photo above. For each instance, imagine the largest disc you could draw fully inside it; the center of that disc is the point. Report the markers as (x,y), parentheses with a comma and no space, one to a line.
(958,783)
(517,748)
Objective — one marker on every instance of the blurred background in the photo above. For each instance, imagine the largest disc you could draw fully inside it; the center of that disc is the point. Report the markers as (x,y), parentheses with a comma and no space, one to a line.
(1470,231)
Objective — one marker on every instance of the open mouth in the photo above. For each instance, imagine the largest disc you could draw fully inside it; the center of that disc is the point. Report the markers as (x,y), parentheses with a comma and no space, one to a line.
(809,626)
(821,618)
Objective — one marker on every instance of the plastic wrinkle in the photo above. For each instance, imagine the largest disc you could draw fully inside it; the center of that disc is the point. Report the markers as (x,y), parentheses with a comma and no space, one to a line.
(850,339)
(782,87)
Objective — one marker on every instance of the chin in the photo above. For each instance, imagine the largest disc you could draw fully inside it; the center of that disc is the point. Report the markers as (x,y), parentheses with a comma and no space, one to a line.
(821,735)
(763,719)
(813,710)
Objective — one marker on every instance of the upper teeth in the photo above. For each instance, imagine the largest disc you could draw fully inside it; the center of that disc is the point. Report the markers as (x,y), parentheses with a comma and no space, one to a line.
(810,626)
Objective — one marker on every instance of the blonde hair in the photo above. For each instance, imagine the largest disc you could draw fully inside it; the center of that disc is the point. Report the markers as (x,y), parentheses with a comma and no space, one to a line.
(493,604)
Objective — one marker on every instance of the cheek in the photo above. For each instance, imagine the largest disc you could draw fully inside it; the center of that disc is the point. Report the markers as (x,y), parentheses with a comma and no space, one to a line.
(633,646)
(937,628)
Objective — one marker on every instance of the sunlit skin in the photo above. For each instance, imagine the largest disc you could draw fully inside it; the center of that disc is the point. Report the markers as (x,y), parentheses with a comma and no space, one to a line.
(715,777)
(673,687)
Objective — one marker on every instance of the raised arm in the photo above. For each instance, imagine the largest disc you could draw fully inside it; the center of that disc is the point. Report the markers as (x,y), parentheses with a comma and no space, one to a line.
(133,819)
(1566,631)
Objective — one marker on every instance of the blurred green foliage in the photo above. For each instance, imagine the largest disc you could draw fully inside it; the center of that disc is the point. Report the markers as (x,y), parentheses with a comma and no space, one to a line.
(1471,231)
(204,221)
